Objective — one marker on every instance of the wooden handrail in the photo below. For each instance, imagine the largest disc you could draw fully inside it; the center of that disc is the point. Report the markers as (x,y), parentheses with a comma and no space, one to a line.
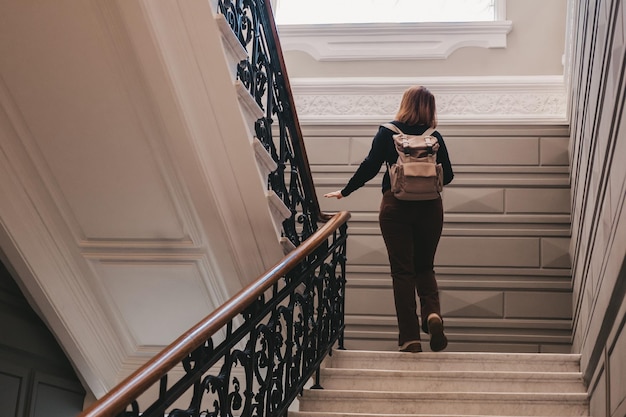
(116,400)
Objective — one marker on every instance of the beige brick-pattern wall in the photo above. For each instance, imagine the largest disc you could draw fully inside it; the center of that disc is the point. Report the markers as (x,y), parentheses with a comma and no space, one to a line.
(598,244)
(502,265)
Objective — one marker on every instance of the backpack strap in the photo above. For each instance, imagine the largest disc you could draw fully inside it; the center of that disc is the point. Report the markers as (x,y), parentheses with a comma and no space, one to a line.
(393,128)
(396,129)
(428,132)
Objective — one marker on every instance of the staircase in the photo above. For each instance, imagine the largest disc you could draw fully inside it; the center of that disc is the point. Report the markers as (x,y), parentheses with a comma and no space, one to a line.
(369,384)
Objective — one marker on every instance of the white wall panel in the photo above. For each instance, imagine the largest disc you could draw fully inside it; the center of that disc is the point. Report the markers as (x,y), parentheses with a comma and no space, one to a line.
(482,304)
(487,151)
(367,250)
(83,140)
(177,300)
(553,151)
(488,251)
(555,253)
(319,153)
(538,305)
(474,200)
(359,148)
(537,200)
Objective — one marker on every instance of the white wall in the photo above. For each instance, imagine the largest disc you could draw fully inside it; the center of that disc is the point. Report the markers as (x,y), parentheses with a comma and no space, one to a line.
(535,46)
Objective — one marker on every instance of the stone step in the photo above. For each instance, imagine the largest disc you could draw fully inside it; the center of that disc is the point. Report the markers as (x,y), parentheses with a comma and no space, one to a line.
(327,414)
(437,403)
(452,361)
(451,381)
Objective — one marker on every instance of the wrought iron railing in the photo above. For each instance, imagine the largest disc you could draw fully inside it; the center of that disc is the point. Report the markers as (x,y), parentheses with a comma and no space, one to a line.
(274,335)
(264,74)
(254,354)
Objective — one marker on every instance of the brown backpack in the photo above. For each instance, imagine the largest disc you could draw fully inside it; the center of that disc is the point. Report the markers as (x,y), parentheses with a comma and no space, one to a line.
(416,175)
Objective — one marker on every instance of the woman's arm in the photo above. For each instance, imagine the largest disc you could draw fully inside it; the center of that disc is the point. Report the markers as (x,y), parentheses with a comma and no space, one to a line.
(369,167)
(444,159)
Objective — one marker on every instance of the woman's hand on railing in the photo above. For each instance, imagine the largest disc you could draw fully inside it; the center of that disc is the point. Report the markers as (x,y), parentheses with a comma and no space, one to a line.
(335,194)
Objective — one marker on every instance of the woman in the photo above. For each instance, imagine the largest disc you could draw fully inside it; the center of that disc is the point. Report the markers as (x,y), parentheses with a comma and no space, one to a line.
(411,229)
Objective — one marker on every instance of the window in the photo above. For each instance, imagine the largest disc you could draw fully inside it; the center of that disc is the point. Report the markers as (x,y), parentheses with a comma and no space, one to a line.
(390,11)
(344,30)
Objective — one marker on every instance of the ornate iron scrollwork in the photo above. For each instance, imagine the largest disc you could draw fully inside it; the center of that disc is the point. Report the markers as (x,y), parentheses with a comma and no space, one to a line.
(277,345)
(264,76)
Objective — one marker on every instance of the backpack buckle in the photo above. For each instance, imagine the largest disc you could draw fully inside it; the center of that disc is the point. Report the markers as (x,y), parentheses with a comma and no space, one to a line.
(429,146)
(405,145)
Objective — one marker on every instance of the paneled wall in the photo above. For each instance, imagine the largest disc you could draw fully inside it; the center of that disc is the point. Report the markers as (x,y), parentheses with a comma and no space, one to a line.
(36,378)
(598,193)
(502,264)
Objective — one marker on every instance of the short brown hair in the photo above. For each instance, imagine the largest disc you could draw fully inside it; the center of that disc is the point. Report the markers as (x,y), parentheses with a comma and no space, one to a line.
(417,107)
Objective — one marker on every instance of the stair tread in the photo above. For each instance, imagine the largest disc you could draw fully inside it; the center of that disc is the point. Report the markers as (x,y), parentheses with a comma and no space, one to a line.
(452,374)
(442,403)
(340,414)
(454,361)
(425,395)
(450,381)
(497,356)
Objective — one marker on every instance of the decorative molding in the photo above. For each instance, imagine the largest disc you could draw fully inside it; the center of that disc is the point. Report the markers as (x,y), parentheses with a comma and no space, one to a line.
(266,164)
(250,108)
(384,41)
(500,6)
(404,40)
(460,100)
(52,274)
(210,108)
(235,52)
(280,212)
(569,55)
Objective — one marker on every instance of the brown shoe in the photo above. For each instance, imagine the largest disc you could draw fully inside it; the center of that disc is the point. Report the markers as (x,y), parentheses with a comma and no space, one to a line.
(438,340)
(413,346)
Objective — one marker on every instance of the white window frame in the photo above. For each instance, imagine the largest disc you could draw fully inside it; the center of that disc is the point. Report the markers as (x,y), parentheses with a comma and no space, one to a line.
(394,41)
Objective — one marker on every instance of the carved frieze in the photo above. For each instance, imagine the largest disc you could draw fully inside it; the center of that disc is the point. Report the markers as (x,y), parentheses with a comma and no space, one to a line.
(474,100)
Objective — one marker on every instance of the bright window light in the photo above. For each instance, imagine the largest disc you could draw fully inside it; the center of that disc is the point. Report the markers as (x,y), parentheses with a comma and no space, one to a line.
(383,11)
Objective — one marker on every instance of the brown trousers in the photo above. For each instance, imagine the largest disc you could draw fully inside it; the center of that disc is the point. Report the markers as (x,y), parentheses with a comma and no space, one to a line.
(411,230)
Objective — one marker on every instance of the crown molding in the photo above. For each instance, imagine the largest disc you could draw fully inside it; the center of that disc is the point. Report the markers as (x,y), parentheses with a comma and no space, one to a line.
(460,100)
(394,40)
